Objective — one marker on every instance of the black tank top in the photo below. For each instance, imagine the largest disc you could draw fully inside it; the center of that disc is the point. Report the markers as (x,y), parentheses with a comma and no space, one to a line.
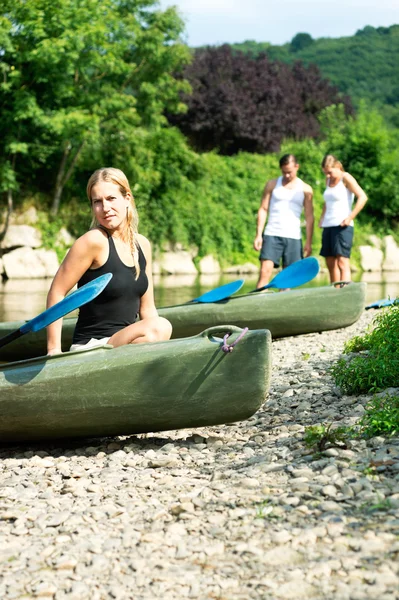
(118,304)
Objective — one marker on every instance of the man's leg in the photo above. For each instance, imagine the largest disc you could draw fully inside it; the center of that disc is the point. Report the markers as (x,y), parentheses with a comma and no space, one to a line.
(266,269)
(270,255)
(292,253)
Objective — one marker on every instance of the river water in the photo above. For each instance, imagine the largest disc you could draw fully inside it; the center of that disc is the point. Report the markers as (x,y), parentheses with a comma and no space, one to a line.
(25,298)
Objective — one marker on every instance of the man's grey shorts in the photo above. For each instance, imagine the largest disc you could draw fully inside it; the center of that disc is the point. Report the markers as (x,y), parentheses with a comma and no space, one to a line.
(276,248)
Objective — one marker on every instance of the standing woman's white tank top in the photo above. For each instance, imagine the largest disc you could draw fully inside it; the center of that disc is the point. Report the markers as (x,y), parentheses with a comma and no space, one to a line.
(339,202)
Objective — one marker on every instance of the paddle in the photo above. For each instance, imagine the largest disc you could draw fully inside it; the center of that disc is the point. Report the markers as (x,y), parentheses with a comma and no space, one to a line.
(382,303)
(219,293)
(297,274)
(82,296)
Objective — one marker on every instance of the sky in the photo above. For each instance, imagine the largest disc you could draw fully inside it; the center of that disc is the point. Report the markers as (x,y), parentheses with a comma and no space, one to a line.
(216,22)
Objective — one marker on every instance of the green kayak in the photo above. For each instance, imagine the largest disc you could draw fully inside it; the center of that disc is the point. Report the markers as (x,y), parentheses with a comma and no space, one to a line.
(138,388)
(303,310)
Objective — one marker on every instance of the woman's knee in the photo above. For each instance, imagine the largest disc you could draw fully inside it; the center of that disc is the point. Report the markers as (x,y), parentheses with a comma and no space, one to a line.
(159,330)
(343,262)
(164,328)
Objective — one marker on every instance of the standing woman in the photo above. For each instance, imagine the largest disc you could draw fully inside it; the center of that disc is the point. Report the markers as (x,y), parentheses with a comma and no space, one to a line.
(337,217)
(112,245)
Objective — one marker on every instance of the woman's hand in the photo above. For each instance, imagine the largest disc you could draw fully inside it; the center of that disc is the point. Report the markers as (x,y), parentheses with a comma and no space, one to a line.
(346,222)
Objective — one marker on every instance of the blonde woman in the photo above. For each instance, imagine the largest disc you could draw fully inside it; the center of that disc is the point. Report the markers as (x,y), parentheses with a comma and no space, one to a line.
(337,217)
(113,245)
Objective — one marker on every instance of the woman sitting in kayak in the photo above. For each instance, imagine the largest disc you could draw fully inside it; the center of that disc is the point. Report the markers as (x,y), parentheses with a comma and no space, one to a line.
(112,245)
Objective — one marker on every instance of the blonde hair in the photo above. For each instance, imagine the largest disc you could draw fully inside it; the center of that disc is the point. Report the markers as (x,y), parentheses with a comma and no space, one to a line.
(331,161)
(129,232)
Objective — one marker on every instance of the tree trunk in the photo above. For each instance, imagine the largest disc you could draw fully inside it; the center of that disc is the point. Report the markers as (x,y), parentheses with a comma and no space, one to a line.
(62,177)
(8,215)
(58,182)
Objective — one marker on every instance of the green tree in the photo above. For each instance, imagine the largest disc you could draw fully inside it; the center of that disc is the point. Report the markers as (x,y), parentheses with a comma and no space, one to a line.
(78,75)
(301,41)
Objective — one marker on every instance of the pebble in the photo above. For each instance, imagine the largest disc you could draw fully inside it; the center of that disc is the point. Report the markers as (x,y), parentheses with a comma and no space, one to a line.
(240,511)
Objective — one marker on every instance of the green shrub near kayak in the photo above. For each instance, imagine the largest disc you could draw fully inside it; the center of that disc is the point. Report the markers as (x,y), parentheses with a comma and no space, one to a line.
(372,361)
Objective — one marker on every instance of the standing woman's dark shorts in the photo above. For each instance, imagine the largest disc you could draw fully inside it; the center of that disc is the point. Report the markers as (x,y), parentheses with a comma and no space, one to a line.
(337,241)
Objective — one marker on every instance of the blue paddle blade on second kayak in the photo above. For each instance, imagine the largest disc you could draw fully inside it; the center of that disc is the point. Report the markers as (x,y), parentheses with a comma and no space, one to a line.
(78,298)
(300,272)
(220,293)
(383,303)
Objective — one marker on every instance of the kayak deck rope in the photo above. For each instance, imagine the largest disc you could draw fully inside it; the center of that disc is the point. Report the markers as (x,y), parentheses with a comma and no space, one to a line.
(230,347)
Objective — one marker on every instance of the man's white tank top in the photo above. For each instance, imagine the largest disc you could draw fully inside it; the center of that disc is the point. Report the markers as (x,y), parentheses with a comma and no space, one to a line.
(339,202)
(285,210)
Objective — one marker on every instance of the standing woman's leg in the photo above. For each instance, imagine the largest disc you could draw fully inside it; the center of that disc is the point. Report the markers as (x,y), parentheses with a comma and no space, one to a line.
(333,269)
(343,252)
(344,268)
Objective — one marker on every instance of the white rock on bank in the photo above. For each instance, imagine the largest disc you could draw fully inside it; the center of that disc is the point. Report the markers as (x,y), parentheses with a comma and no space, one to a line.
(391,261)
(26,263)
(245,268)
(176,263)
(21,235)
(371,258)
(209,265)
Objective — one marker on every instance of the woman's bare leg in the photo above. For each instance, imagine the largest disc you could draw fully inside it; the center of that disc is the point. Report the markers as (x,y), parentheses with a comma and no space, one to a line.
(344,268)
(154,329)
(332,265)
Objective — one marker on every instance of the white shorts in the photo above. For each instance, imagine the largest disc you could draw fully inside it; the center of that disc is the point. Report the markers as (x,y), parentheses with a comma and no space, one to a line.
(92,343)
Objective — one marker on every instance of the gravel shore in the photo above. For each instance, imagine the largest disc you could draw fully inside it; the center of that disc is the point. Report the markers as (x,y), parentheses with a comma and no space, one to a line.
(233,512)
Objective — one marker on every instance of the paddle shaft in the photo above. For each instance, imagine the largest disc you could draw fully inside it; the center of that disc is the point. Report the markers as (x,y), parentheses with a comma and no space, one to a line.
(14,335)
(81,296)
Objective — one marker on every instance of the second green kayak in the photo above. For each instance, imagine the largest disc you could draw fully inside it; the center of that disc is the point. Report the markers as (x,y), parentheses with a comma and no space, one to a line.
(294,312)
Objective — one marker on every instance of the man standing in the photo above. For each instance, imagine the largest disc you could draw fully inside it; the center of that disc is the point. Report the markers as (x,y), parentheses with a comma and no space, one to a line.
(283,199)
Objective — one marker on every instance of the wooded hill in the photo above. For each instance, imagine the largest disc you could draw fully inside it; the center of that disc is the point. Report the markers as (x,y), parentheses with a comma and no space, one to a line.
(364,66)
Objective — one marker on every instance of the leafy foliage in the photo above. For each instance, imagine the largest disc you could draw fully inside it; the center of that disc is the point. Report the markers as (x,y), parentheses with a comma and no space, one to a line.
(78,76)
(86,84)
(326,436)
(372,361)
(381,416)
(239,103)
(364,66)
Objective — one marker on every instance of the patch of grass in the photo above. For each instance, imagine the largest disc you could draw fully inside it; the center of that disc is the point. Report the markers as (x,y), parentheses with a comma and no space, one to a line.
(323,437)
(264,510)
(373,361)
(382,506)
(305,355)
(381,417)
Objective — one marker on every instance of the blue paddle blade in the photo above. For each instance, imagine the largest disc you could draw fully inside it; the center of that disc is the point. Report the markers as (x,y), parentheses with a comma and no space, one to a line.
(220,293)
(78,298)
(300,272)
(383,303)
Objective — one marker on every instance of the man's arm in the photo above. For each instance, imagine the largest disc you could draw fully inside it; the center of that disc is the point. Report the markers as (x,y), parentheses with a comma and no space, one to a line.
(309,218)
(262,213)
